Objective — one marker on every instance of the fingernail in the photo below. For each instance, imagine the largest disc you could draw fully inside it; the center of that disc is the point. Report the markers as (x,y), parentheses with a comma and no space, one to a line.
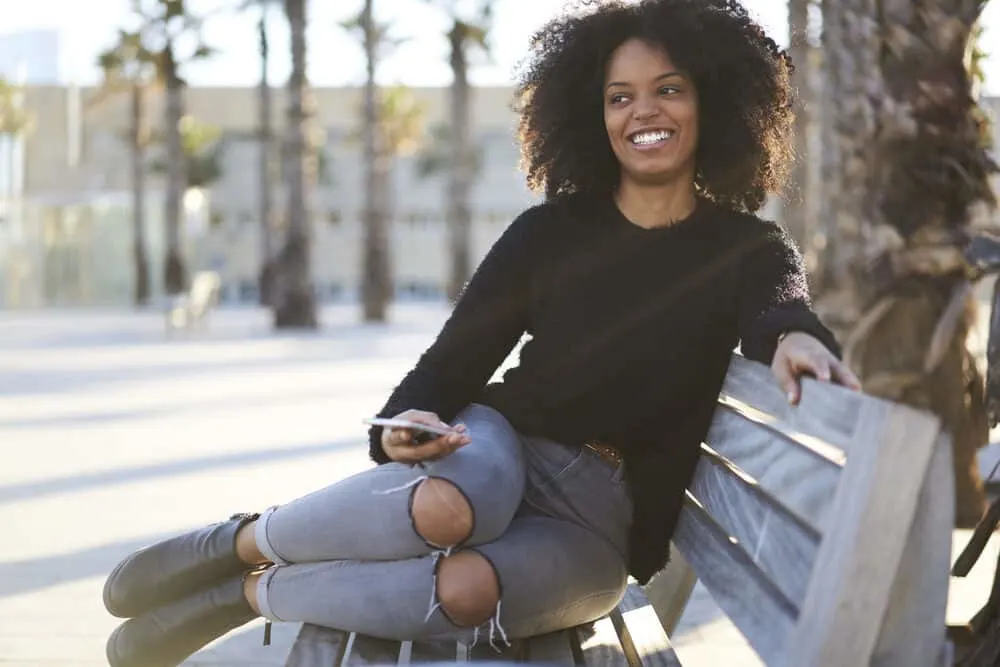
(791,397)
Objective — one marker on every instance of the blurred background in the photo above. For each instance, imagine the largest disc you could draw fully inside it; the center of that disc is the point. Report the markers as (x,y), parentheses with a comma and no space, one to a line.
(322,176)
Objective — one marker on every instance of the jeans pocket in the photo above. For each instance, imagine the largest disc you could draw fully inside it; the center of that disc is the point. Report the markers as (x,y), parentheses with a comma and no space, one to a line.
(550,462)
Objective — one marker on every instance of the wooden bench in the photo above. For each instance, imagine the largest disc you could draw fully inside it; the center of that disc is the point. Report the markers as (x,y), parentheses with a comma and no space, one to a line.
(823,531)
(193,308)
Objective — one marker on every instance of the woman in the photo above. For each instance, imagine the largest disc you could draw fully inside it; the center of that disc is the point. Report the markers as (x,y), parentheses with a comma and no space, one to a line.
(654,130)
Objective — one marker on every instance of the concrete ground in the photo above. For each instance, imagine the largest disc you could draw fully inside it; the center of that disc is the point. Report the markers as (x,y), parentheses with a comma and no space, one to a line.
(113,434)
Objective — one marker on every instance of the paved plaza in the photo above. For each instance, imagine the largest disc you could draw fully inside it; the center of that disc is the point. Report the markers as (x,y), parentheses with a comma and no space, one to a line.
(113,434)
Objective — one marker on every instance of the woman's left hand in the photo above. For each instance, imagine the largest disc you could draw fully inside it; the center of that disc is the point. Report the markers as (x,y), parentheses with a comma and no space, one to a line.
(798,354)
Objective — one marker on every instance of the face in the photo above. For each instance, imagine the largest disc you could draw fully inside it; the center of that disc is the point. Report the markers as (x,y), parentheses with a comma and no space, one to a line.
(651,114)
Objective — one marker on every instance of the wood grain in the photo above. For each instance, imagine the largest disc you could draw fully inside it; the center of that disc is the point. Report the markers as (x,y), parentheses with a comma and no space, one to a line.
(670,589)
(914,626)
(748,596)
(554,648)
(782,545)
(642,638)
(862,548)
(825,412)
(801,481)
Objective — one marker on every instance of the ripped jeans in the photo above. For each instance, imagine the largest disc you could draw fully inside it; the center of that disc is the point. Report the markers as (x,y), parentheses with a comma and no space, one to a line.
(551,519)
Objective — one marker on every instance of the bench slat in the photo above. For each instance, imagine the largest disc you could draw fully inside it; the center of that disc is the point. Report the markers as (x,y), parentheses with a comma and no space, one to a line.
(554,648)
(751,600)
(862,550)
(599,645)
(801,481)
(365,650)
(781,544)
(643,640)
(825,412)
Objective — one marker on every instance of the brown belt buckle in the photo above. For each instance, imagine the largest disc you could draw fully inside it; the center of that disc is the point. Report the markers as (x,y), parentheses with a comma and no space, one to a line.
(608,453)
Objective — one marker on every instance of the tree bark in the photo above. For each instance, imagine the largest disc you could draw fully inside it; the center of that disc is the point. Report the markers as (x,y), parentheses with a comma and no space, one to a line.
(265,138)
(139,138)
(295,305)
(175,278)
(376,280)
(928,168)
(462,169)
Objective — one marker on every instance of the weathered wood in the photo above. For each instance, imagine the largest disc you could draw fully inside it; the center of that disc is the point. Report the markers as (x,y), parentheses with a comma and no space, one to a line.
(670,590)
(779,543)
(599,645)
(914,626)
(748,596)
(873,511)
(317,647)
(642,638)
(825,412)
(554,648)
(801,481)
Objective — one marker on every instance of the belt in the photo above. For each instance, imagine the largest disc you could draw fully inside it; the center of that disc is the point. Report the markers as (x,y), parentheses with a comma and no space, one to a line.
(608,453)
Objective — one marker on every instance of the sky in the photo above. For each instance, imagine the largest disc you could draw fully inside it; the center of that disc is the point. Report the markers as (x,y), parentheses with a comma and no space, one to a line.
(85,27)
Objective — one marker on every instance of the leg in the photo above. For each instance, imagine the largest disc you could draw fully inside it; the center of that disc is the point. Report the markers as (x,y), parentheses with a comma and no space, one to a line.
(395,511)
(390,512)
(542,575)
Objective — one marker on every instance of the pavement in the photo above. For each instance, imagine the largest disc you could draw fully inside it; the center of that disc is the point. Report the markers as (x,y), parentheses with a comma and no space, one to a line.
(113,434)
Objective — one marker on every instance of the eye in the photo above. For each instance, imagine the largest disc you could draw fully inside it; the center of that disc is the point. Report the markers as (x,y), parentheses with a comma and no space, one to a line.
(669,90)
(618,98)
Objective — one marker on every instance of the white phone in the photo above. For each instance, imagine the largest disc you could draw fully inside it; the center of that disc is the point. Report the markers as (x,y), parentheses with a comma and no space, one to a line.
(422,432)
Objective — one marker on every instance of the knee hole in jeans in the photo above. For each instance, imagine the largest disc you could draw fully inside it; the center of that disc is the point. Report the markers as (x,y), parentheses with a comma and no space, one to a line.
(441,513)
(468,588)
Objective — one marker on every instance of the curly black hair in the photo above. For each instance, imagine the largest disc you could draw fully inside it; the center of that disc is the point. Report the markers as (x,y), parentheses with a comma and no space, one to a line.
(740,74)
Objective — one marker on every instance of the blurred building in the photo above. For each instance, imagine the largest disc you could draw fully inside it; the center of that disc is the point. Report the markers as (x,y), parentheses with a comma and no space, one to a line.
(66,238)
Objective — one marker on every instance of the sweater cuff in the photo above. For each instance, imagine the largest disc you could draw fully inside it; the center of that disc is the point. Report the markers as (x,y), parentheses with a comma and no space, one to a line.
(761,343)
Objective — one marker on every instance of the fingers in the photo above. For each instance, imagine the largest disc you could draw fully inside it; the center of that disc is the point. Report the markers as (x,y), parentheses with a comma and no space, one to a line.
(844,376)
(782,370)
(405,451)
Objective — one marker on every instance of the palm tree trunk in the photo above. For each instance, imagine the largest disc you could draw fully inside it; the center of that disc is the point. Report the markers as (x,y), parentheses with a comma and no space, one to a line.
(175,279)
(295,305)
(138,146)
(794,213)
(462,170)
(376,278)
(265,138)
(930,168)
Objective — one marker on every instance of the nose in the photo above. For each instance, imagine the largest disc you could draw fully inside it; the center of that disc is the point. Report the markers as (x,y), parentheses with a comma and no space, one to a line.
(644,108)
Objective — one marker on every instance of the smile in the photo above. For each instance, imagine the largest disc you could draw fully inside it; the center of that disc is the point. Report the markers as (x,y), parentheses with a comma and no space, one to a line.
(650,138)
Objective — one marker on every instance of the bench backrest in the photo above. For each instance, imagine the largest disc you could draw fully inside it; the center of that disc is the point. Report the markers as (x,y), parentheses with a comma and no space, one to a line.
(798,519)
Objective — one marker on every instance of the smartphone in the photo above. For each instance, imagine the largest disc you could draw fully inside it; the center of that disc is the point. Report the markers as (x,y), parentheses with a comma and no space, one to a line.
(421,432)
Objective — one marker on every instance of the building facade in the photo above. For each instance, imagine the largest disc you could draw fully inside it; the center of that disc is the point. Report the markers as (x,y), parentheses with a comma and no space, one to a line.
(65,228)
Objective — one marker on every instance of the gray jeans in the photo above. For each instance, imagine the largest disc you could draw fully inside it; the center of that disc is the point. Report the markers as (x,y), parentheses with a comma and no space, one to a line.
(551,519)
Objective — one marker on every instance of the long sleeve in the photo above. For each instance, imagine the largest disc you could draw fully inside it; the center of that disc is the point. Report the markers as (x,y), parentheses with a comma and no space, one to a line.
(774,296)
(487,322)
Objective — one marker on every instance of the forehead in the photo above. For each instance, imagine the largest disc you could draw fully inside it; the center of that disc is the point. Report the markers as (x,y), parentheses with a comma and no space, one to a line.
(636,60)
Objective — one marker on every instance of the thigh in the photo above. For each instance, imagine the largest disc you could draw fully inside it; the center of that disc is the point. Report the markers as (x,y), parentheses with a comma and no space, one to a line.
(554,574)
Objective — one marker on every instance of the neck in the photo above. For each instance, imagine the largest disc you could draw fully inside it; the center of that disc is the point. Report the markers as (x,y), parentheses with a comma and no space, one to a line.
(659,205)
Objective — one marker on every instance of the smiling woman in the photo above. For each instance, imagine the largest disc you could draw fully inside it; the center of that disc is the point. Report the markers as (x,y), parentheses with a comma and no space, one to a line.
(654,130)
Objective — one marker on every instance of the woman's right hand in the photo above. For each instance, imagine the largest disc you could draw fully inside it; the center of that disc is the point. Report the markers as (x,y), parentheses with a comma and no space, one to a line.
(398,445)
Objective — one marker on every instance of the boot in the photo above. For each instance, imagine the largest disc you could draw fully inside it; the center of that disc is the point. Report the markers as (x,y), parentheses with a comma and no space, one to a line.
(166,636)
(175,568)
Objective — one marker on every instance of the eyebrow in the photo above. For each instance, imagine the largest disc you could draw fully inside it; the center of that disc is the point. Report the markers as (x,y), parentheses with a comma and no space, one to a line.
(663,76)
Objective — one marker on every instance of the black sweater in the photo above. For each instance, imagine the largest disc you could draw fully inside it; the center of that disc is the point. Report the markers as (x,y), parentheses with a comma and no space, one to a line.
(631,332)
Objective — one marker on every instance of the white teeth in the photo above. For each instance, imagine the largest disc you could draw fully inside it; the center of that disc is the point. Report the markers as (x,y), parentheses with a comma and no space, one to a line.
(645,138)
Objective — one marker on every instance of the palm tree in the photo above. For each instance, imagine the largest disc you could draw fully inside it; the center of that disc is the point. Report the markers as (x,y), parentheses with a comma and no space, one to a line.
(928,168)
(201,149)
(465,31)
(266,165)
(129,66)
(14,118)
(294,303)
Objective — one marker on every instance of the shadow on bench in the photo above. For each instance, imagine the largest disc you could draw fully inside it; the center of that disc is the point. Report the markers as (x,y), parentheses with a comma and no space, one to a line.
(823,531)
